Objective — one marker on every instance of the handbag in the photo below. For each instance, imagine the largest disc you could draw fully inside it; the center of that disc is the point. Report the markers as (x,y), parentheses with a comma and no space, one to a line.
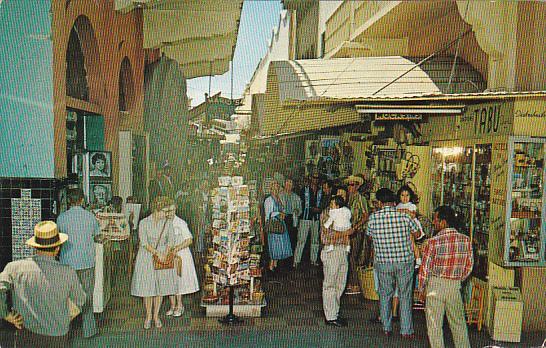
(274,224)
(168,263)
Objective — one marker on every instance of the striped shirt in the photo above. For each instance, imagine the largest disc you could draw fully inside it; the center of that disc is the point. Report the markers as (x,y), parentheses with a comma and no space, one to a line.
(391,235)
(447,255)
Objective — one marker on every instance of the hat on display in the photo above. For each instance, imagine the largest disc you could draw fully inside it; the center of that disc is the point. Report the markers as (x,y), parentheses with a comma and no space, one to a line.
(46,235)
(354,178)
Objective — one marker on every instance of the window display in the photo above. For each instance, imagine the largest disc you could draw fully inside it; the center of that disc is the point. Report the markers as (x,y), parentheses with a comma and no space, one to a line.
(452,181)
(525,231)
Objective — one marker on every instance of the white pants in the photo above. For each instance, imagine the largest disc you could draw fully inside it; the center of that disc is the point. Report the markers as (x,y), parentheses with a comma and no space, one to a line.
(303,232)
(335,266)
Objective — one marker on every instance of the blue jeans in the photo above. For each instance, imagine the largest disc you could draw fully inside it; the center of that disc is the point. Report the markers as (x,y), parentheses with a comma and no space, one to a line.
(390,275)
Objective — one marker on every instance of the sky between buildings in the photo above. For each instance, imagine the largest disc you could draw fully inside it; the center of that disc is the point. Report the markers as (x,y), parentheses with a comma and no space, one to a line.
(258,18)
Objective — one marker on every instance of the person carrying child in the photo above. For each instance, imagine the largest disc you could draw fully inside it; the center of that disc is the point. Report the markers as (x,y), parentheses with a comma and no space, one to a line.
(339,218)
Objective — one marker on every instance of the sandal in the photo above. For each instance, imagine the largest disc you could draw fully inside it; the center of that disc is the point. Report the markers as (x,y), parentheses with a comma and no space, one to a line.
(147,324)
(179,311)
(158,324)
(170,312)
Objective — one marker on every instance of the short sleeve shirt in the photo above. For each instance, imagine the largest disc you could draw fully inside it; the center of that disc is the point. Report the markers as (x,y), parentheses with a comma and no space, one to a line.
(391,235)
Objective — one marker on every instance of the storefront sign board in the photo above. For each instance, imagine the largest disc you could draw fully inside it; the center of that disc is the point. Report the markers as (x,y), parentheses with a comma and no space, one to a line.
(530,117)
(478,121)
(486,119)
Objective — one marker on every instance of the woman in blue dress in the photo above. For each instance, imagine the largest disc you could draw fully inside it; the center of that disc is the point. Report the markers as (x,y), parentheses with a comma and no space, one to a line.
(278,243)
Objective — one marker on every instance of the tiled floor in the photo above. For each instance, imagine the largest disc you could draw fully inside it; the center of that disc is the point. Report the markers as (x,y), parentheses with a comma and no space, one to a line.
(292,318)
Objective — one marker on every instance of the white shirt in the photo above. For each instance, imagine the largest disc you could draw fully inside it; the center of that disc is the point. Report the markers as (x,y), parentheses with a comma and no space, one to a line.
(341,218)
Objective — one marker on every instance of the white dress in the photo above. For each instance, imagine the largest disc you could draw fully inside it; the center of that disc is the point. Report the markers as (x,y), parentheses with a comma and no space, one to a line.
(187,282)
(148,281)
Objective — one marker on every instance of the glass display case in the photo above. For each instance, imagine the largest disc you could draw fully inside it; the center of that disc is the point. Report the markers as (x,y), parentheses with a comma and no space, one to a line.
(452,181)
(525,230)
(461,178)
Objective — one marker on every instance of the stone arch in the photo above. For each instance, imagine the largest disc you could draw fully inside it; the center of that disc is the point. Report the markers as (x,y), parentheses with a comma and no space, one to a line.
(83,71)
(126,96)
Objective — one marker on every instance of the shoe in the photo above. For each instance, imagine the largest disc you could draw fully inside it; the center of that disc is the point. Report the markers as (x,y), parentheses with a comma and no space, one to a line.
(408,336)
(147,324)
(335,323)
(352,290)
(178,312)
(387,333)
(158,324)
(170,312)
(342,320)
(375,320)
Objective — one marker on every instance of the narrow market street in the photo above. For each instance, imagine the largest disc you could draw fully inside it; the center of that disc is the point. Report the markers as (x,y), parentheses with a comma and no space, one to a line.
(293,317)
(305,163)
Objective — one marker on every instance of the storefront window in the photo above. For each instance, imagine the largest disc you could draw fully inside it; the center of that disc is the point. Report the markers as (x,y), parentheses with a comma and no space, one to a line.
(452,181)
(527,176)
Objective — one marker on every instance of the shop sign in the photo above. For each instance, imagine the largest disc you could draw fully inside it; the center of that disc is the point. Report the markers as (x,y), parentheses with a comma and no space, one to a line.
(530,118)
(398,117)
(487,119)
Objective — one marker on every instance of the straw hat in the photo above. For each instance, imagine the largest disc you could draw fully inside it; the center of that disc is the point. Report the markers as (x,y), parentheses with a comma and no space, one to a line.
(354,178)
(46,235)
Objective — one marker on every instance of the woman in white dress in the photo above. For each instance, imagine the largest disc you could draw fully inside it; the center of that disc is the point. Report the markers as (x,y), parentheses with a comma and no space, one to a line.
(187,281)
(156,237)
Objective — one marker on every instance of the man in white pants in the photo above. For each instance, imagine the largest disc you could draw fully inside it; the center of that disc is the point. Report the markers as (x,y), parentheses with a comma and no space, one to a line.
(335,266)
(309,220)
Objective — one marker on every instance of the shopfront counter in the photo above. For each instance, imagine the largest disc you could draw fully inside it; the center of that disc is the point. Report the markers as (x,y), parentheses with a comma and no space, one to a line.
(103,276)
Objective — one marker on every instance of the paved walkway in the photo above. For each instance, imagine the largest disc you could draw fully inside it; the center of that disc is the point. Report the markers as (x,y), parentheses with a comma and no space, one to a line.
(293,318)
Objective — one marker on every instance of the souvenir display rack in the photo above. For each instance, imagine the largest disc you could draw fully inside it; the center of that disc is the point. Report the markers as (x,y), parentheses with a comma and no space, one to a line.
(233,260)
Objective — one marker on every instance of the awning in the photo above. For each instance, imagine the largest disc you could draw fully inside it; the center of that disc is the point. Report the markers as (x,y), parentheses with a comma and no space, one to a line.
(305,95)
(199,34)
(369,77)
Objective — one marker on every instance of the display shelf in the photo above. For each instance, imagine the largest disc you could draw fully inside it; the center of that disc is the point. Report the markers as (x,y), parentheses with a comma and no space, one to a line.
(525,232)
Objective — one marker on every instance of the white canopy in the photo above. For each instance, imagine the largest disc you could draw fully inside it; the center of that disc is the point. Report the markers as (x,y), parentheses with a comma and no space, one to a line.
(199,34)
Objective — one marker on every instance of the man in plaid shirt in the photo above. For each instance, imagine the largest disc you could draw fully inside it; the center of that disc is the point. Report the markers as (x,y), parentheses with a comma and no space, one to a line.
(447,260)
(394,259)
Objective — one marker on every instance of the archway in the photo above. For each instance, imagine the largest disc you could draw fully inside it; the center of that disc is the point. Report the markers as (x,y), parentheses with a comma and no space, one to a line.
(82,62)
(126,96)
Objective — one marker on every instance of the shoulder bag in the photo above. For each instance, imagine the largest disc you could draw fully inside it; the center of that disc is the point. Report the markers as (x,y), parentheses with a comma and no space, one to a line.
(168,262)
(274,224)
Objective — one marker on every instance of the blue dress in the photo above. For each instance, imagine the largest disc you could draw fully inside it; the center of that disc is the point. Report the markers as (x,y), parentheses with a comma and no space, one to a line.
(279,244)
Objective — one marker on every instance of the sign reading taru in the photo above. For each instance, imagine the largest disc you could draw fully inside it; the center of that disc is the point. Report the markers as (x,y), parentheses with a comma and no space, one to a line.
(487,119)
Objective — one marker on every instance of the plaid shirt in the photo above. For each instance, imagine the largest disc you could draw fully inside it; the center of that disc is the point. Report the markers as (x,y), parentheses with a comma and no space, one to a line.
(391,234)
(447,255)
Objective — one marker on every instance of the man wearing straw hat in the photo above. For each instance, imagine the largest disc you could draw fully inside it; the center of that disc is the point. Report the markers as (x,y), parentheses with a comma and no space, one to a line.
(41,288)
(359,215)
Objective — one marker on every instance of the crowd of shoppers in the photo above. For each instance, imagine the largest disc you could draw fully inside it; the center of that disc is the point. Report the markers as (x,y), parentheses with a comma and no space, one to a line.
(345,227)
(355,230)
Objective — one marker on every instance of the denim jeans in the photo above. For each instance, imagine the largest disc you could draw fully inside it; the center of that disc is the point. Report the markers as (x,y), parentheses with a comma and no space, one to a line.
(390,275)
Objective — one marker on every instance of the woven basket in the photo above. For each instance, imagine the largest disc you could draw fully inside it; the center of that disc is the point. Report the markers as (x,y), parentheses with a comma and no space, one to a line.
(365,275)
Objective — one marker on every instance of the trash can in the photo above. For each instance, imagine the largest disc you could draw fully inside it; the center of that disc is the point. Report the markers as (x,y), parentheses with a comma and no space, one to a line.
(507,314)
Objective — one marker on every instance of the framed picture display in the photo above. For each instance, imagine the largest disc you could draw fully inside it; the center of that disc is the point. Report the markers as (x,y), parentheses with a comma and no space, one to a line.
(100,193)
(100,165)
